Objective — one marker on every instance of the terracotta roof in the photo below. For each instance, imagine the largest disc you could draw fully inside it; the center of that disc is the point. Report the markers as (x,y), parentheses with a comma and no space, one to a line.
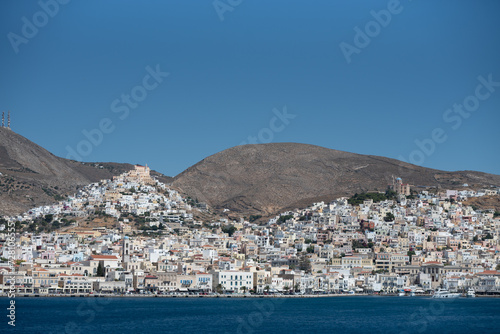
(490,272)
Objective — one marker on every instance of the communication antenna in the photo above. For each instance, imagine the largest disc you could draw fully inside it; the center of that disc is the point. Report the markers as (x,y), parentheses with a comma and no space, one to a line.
(8,120)
(3,119)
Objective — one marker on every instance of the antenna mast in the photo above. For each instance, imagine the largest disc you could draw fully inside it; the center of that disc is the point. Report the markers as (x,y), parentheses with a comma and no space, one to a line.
(8,120)
(3,119)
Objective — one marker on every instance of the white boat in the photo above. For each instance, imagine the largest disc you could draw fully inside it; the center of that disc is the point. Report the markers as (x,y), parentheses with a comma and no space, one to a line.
(471,293)
(443,293)
(407,292)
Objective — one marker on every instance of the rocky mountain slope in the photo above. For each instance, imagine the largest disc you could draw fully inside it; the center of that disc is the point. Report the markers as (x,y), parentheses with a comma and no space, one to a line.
(267,178)
(32,176)
(251,179)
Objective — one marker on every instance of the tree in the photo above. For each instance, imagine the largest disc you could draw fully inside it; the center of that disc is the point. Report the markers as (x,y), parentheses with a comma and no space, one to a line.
(100,270)
(219,288)
(410,254)
(357,199)
(48,218)
(497,267)
(390,194)
(284,218)
(267,288)
(297,287)
(229,229)
(244,289)
(305,263)
(55,225)
(254,218)
(389,217)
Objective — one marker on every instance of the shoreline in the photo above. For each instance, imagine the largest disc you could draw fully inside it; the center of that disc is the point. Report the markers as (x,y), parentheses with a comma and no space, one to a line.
(221,296)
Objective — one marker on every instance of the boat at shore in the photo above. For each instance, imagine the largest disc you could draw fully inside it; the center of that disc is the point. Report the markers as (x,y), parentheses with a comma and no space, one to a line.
(471,293)
(443,293)
(407,292)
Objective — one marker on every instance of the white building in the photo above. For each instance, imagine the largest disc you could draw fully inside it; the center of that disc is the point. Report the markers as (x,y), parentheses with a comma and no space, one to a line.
(232,280)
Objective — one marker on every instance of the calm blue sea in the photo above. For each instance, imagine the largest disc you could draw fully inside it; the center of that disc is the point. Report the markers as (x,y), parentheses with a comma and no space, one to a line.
(350,314)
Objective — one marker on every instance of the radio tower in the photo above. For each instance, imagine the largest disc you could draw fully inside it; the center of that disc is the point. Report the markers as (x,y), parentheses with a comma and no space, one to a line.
(3,119)
(8,120)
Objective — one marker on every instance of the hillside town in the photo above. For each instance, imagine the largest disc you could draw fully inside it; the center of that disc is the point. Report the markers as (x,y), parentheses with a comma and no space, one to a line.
(157,242)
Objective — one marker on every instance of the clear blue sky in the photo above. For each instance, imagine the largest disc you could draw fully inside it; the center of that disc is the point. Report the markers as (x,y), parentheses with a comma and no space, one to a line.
(226,77)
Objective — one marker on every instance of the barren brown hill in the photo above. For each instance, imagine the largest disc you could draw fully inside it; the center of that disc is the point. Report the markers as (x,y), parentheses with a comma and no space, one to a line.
(32,176)
(485,202)
(267,178)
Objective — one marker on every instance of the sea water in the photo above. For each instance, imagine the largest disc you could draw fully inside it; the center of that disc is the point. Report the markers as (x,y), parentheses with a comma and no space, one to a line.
(349,314)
